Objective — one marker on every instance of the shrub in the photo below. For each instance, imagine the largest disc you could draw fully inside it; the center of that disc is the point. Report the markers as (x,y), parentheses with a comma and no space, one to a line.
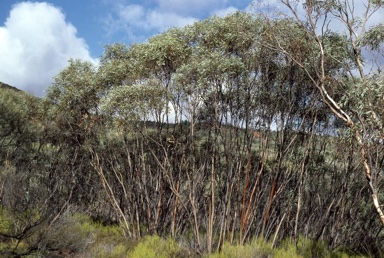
(288,249)
(156,247)
(257,248)
(309,248)
(70,234)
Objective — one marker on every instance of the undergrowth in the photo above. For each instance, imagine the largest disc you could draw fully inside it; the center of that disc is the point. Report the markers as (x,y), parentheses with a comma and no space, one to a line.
(80,236)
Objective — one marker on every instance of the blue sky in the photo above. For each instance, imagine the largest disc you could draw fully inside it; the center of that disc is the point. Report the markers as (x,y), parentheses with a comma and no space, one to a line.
(37,38)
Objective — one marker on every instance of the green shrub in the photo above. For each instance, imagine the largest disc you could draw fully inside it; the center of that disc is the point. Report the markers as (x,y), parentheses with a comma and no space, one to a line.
(71,233)
(257,248)
(287,249)
(12,240)
(109,250)
(156,247)
(107,241)
(75,233)
(309,248)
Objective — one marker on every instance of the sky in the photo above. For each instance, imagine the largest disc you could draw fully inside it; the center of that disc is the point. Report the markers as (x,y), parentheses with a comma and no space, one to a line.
(37,38)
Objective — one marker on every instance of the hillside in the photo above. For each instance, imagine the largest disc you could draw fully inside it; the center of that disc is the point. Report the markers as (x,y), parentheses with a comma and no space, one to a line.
(6,86)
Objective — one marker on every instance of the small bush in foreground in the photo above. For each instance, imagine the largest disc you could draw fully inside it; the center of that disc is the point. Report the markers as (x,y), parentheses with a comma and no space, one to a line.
(257,248)
(286,249)
(156,247)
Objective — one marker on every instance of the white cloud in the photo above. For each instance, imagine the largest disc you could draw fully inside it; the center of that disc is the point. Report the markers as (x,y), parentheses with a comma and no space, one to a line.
(137,21)
(131,13)
(137,17)
(164,20)
(35,45)
(225,11)
(191,7)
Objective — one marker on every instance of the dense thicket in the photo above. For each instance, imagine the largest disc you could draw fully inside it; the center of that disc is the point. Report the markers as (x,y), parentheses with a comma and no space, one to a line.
(207,133)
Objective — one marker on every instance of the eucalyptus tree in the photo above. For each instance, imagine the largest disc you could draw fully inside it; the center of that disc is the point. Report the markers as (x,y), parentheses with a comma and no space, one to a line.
(226,169)
(197,71)
(351,46)
(218,84)
(237,91)
(138,93)
(71,125)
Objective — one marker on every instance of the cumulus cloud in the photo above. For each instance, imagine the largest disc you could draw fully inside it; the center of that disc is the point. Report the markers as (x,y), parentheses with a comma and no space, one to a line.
(35,45)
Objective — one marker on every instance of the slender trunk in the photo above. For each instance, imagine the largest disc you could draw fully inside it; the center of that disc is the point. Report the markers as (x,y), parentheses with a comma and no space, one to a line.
(174,215)
(211,207)
(243,211)
(110,193)
(270,199)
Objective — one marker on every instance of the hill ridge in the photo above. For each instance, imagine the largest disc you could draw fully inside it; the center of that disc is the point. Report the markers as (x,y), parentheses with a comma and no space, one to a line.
(7,86)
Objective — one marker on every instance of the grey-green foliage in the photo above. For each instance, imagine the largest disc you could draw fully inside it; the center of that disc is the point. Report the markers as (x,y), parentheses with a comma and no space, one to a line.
(75,89)
(72,102)
(139,77)
(374,37)
(72,121)
(114,66)
(377,3)
(366,99)
(134,102)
